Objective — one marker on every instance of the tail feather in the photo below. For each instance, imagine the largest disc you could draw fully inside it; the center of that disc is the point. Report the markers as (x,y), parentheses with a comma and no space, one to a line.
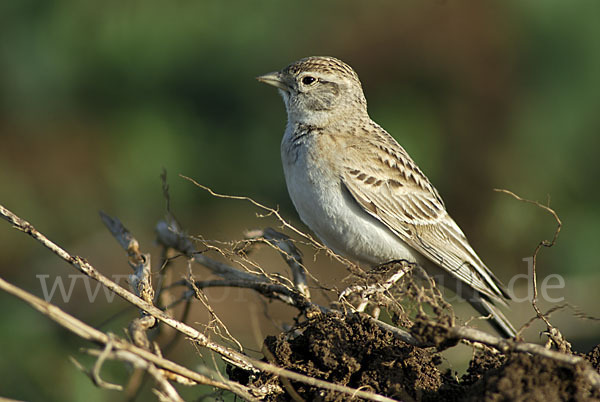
(497,319)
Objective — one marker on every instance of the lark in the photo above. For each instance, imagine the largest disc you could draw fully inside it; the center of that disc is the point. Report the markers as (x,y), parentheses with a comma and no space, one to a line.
(362,194)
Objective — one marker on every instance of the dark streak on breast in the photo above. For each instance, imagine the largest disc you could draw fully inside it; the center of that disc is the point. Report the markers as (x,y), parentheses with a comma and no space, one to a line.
(302,132)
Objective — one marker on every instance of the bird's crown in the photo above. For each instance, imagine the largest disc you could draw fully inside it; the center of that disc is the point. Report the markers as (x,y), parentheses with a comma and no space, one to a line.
(322,64)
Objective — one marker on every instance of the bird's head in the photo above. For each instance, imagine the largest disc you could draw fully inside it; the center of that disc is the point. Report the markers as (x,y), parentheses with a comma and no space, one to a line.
(319,91)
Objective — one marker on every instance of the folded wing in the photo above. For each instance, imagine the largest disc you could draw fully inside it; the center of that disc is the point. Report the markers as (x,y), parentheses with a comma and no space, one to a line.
(388,185)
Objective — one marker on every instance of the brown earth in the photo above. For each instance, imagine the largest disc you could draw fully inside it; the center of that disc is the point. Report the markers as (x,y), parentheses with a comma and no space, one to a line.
(354,352)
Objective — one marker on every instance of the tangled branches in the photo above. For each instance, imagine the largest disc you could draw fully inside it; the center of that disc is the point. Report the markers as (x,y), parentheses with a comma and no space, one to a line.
(344,367)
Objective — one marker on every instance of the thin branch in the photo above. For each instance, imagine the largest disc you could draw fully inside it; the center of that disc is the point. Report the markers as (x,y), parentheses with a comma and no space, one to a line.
(284,223)
(168,393)
(141,281)
(89,333)
(269,290)
(101,384)
(160,376)
(273,291)
(290,253)
(319,383)
(169,234)
(83,266)
(177,335)
(220,325)
(554,333)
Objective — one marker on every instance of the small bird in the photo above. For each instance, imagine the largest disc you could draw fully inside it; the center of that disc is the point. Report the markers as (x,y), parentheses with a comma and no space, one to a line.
(362,194)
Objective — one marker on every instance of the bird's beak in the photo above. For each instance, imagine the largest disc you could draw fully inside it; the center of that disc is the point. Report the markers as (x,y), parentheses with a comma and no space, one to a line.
(273,79)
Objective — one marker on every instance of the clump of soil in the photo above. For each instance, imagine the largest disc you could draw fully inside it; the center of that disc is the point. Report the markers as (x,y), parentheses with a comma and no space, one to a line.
(353,351)
(532,378)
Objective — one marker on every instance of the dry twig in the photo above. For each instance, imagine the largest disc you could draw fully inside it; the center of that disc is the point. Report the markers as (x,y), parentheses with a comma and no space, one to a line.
(553,333)
(91,334)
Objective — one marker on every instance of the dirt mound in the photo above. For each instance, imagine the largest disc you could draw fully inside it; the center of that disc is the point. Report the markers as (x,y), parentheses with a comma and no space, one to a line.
(531,378)
(354,352)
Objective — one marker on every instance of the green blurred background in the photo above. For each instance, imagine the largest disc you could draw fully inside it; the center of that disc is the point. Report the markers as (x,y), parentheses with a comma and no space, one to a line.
(97,97)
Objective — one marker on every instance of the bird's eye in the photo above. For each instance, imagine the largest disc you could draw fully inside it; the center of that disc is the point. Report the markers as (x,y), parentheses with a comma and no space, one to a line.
(308,80)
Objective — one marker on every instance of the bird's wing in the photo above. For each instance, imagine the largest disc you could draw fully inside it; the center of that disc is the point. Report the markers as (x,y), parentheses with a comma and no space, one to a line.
(388,185)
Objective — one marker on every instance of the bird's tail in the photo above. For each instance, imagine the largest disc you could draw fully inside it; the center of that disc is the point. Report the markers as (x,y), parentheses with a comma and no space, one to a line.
(497,319)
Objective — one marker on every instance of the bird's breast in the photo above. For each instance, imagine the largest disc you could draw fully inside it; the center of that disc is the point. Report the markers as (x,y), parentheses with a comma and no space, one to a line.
(328,209)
